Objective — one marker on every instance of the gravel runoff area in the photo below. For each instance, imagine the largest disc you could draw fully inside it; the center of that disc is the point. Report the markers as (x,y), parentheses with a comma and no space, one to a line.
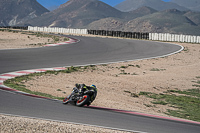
(13,124)
(119,80)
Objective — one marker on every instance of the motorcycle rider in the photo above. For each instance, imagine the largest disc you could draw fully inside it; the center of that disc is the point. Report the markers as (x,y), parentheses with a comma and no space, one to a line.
(79,89)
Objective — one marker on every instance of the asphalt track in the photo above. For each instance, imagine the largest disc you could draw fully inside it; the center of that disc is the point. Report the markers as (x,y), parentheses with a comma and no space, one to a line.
(88,51)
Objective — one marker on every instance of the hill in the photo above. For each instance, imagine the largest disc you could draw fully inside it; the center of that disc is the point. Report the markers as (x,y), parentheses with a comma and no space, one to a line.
(112,23)
(129,5)
(77,14)
(193,5)
(13,12)
(168,21)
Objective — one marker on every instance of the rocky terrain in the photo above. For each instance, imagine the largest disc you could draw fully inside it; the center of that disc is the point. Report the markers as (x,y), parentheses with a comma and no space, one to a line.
(13,12)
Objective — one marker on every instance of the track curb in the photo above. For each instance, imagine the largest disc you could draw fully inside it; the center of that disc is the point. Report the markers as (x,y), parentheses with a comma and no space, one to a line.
(6,76)
(71,40)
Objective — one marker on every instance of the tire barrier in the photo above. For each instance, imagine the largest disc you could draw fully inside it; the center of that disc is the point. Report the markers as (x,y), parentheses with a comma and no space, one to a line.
(136,35)
(15,27)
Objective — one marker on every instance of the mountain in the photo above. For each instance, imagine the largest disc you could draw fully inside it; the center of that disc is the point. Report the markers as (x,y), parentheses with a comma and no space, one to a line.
(143,11)
(193,16)
(129,5)
(13,12)
(193,5)
(77,14)
(112,23)
(168,21)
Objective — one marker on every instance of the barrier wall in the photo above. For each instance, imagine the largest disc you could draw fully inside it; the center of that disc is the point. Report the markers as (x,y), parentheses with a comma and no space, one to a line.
(58,30)
(137,35)
(174,37)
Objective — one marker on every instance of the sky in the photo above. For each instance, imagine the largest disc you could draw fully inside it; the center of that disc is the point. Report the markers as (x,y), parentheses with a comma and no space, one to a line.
(56,3)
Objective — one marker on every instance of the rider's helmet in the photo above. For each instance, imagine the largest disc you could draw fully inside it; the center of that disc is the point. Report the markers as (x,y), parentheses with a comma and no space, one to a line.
(77,85)
(80,86)
(94,86)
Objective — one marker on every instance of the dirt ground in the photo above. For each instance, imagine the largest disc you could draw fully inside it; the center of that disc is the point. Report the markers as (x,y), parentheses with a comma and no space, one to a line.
(16,40)
(116,82)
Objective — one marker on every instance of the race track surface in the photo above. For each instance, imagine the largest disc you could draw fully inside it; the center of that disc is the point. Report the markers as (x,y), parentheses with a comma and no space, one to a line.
(89,50)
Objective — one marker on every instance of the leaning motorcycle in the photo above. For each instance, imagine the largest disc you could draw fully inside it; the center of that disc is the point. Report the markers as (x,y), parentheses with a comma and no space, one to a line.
(79,99)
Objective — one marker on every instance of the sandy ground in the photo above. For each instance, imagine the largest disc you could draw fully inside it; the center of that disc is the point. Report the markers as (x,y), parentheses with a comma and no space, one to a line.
(15,40)
(116,83)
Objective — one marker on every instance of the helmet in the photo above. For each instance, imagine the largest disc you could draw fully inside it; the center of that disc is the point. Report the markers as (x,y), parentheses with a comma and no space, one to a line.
(77,85)
(94,86)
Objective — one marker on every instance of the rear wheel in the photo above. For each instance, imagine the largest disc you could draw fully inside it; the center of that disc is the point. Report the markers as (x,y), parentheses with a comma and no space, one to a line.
(83,101)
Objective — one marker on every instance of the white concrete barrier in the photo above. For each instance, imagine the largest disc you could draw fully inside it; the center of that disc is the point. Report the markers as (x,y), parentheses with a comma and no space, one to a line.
(58,30)
(174,37)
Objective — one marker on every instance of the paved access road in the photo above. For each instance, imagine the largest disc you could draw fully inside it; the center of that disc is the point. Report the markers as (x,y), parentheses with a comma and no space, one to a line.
(88,51)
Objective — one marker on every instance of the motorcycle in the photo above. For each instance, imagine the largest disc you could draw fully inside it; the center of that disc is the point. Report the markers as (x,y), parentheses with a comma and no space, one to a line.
(78,99)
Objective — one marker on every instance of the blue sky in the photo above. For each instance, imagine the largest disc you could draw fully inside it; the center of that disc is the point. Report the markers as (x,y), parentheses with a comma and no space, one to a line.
(52,3)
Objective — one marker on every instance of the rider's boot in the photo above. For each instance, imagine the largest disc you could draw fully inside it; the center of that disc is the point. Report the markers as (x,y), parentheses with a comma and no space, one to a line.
(88,104)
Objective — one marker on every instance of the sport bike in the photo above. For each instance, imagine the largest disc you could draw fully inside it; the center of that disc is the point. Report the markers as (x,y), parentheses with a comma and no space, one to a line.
(79,99)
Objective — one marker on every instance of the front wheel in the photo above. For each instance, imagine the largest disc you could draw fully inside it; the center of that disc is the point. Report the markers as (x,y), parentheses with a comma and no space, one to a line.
(65,101)
(83,101)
